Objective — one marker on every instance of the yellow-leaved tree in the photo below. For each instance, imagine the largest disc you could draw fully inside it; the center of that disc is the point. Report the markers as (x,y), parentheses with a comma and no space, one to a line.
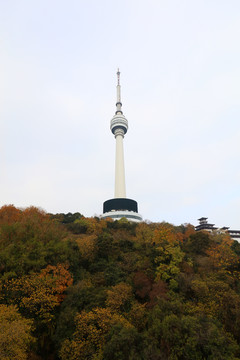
(89,337)
(15,334)
(169,256)
(119,297)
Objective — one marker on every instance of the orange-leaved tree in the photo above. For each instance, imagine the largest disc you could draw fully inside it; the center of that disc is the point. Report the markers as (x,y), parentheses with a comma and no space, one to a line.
(37,295)
(221,254)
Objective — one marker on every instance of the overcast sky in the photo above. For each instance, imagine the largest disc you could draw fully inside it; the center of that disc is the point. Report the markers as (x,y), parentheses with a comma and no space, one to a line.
(180,78)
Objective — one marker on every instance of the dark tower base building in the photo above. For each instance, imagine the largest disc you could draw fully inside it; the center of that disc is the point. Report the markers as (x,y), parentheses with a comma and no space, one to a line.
(121,207)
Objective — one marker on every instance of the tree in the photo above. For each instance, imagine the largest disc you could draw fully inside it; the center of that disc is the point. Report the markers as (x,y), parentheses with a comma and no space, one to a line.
(87,246)
(222,255)
(15,334)
(123,344)
(198,243)
(81,296)
(9,214)
(29,241)
(144,234)
(38,295)
(168,263)
(142,284)
(119,297)
(179,336)
(89,337)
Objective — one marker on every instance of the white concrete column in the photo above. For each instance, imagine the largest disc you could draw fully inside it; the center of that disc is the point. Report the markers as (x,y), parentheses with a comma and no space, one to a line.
(120,187)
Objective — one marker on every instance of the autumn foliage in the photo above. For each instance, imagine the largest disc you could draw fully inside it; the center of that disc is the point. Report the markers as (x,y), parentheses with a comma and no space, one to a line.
(75,288)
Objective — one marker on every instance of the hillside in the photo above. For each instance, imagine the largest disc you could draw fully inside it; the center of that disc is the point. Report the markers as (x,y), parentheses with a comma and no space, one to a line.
(76,288)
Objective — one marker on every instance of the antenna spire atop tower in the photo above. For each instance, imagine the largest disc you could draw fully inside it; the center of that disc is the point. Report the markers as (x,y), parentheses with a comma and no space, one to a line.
(118,76)
(118,104)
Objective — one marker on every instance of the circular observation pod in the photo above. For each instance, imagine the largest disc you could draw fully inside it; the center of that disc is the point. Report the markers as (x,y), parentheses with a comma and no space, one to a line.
(119,122)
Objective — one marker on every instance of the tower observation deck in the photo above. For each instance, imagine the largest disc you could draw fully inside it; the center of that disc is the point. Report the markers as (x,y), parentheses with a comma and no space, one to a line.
(120,206)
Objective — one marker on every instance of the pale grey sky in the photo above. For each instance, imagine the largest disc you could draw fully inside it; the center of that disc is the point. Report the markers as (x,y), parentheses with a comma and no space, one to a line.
(180,76)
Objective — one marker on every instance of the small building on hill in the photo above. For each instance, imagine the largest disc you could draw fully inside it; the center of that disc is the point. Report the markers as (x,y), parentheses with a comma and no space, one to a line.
(204,225)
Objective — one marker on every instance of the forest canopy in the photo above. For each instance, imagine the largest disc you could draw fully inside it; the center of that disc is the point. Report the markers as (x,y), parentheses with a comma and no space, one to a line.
(75,288)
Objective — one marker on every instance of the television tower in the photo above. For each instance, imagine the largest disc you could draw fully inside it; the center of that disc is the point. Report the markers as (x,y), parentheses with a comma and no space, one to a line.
(120,206)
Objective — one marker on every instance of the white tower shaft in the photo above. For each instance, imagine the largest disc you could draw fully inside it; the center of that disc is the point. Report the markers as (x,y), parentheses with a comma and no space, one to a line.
(119,127)
(120,187)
